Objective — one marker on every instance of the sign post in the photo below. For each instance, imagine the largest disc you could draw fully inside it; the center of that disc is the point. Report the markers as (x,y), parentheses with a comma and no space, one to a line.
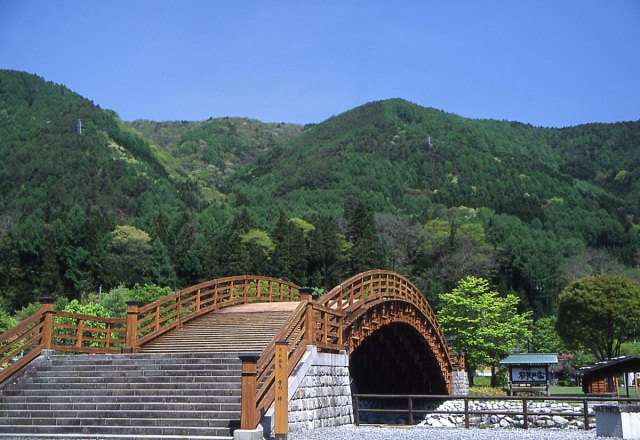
(281,428)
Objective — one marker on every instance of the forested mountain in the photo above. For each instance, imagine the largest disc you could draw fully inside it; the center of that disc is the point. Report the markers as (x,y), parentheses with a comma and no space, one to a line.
(211,151)
(389,184)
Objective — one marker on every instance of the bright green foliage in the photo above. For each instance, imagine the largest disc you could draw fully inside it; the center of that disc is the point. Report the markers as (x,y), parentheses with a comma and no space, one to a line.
(6,321)
(544,337)
(484,324)
(114,302)
(598,314)
(91,308)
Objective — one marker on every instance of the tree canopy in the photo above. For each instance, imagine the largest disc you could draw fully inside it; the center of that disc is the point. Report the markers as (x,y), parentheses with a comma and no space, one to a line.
(482,323)
(598,314)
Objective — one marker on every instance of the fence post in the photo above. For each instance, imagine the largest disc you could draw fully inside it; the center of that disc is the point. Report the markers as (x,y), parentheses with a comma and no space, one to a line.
(356,410)
(586,414)
(46,305)
(248,411)
(309,323)
(466,412)
(131,339)
(525,414)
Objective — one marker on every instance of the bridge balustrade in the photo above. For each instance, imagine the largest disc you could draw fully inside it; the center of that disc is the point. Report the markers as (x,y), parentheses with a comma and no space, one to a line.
(322,323)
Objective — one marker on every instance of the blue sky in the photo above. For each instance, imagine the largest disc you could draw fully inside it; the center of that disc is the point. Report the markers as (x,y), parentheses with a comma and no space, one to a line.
(548,63)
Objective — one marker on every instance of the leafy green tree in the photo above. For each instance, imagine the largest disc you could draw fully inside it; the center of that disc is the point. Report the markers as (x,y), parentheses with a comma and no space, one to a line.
(326,262)
(6,321)
(484,324)
(367,252)
(598,314)
(134,259)
(544,337)
(290,255)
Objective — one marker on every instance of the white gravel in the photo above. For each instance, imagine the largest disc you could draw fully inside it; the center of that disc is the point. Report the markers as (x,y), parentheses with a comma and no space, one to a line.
(371,432)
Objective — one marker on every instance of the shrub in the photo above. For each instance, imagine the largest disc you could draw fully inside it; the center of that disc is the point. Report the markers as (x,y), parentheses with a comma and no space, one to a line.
(486,391)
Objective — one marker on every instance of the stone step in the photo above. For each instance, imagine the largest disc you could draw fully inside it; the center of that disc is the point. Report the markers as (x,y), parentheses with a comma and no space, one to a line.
(227,365)
(121,398)
(110,431)
(204,418)
(119,406)
(136,374)
(120,379)
(84,386)
(112,393)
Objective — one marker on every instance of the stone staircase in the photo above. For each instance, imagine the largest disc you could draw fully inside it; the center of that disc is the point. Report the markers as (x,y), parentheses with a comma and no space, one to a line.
(185,384)
(151,395)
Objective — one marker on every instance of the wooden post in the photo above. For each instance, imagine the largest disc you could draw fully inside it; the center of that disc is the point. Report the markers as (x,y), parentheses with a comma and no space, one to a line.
(309,323)
(46,305)
(131,339)
(281,426)
(248,410)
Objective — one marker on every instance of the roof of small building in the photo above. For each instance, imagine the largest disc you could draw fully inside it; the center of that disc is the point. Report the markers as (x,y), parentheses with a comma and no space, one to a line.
(617,365)
(530,359)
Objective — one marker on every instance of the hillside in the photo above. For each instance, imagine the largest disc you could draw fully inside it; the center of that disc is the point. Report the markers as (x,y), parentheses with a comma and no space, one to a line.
(388,184)
(405,158)
(61,150)
(209,152)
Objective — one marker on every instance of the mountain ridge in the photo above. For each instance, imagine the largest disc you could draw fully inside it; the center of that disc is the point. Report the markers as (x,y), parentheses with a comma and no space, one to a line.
(433,195)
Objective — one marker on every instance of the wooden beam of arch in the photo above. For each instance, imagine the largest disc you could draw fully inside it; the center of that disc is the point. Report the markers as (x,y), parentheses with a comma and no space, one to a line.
(379,297)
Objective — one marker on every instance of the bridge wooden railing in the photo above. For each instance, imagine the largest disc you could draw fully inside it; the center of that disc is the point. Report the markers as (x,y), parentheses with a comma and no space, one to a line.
(165,314)
(310,324)
(48,329)
(364,290)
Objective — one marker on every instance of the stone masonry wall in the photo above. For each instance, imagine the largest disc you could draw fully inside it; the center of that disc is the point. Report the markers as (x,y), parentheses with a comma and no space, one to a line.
(323,399)
(319,393)
(460,383)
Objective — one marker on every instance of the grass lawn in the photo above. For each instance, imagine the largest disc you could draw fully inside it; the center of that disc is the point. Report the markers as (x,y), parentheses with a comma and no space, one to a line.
(556,390)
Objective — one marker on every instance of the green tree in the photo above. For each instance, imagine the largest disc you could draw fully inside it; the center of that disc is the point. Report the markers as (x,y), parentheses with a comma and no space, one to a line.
(6,321)
(483,324)
(367,252)
(598,314)
(544,337)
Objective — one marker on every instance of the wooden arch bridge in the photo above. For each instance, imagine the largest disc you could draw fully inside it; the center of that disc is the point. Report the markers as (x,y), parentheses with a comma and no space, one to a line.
(379,317)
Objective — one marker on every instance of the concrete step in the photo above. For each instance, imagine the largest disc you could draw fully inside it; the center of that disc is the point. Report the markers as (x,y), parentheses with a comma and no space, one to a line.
(139,373)
(121,398)
(204,418)
(102,431)
(123,407)
(113,393)
(87,387)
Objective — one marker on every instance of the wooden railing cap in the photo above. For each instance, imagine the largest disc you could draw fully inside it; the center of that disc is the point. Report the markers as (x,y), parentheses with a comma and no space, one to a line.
(249,357)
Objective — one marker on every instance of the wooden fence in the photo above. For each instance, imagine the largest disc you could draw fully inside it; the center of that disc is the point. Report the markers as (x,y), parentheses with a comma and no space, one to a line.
(411,410)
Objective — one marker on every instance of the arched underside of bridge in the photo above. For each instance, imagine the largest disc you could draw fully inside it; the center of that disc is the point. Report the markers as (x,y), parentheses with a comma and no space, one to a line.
(396,359)
(396,349)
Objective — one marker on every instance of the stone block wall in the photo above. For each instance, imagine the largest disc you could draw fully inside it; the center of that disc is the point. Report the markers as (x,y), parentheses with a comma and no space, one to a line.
(460,383)
(323,399)
(319,393)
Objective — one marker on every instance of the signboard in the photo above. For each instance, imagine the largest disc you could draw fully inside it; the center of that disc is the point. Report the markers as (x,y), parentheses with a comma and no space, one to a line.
(533,374)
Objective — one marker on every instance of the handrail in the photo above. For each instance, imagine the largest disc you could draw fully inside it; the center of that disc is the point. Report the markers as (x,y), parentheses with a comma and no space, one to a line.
(64,331)
(158,317)
(367,287)
(323,330)
(20,345)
